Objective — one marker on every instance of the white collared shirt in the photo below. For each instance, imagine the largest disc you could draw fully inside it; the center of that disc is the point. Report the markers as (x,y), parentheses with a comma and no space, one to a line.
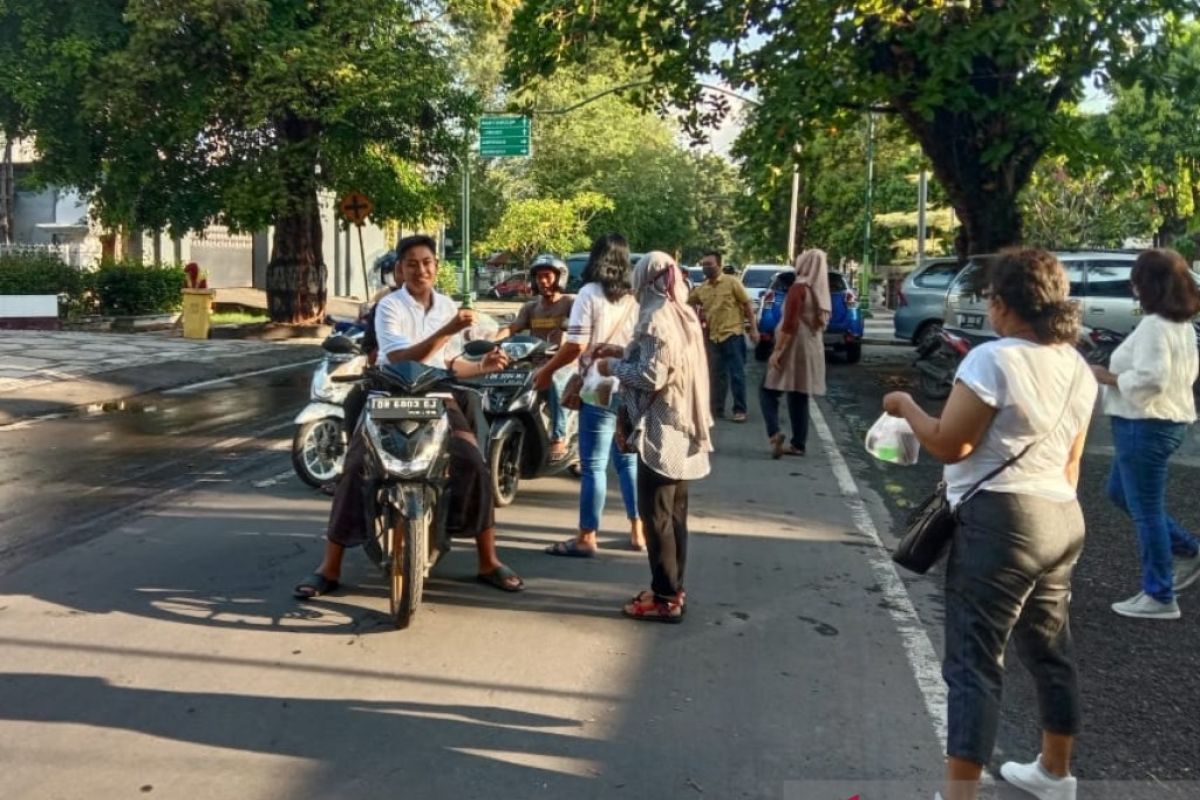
(401,322)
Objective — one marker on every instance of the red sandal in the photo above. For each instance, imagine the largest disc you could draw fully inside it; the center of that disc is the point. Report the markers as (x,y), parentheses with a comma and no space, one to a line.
(646,606)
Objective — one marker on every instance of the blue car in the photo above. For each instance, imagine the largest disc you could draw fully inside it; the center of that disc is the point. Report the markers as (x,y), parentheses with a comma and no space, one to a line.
(846,325)
(922,300)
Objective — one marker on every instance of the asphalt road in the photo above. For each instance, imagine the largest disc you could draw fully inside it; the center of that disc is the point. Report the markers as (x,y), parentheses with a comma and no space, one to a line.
(1142,721)
(147,554)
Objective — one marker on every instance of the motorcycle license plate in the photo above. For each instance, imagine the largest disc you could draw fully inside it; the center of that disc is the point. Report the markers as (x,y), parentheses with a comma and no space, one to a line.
(405,407)
(507,378)
(971,322)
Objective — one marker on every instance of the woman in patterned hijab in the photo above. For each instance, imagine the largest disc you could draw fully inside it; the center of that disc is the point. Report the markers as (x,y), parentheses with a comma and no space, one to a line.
(665,419)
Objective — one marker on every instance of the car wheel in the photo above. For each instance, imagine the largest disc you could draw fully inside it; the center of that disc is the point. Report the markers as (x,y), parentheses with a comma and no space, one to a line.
(853,353)
(926,333)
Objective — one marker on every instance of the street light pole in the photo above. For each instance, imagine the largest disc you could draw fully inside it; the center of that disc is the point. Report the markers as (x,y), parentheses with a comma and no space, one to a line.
(864,279)
(791,242)
(922,199)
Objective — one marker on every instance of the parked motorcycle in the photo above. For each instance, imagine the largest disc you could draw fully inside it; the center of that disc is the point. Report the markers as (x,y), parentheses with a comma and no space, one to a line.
(937,362)
(319,444)
(520,421)
(405,429)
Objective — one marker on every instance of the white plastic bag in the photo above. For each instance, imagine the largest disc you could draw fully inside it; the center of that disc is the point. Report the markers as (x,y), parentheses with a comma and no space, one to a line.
(598,390)
(891,439)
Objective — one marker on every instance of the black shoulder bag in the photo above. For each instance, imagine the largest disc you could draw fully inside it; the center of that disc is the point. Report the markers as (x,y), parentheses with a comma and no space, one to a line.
(931,525)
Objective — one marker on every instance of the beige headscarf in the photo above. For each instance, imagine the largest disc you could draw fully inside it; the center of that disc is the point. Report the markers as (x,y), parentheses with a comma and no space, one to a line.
(812,269)
(666,315)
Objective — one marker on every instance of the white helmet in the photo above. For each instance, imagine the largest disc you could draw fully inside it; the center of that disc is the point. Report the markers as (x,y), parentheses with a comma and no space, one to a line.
(549,261)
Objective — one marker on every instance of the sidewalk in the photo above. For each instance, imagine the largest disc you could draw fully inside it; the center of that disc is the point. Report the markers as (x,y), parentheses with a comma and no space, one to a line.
(46,372)
(880,328)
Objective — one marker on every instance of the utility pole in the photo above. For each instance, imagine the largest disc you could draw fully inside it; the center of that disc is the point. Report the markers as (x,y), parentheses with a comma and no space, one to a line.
(468,298)
(922,199)
(864,279)
(791,242)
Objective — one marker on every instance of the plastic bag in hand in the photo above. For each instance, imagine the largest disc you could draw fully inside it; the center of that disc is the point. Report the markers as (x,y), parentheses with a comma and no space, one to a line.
(598,390)
(891,439)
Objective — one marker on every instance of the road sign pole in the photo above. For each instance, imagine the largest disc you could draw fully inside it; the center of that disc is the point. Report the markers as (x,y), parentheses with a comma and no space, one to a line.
(468,299)
(362,252)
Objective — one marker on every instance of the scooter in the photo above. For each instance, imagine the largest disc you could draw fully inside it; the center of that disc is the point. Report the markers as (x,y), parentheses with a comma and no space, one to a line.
(520,423)
(937,361)
(319,444)
(406,431)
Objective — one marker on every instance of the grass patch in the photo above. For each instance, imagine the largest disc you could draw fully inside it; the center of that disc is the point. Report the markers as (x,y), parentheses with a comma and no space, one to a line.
(238,317)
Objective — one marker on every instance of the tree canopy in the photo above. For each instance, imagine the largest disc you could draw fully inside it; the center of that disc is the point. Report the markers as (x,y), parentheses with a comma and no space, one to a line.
(980,86)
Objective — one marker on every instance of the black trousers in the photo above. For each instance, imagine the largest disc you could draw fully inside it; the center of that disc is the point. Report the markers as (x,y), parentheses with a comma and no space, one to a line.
(797,403)
(472,508)
(663,507)
(1009,575)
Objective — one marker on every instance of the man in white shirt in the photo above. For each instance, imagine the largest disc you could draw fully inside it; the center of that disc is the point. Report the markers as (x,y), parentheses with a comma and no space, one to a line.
(416,323)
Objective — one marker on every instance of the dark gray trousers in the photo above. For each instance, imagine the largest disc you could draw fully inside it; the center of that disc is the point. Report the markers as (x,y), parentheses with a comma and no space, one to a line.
(1009,575)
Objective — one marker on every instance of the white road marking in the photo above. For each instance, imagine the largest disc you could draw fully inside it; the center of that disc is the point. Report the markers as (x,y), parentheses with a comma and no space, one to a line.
(922,658)
(274,479)
(191,387)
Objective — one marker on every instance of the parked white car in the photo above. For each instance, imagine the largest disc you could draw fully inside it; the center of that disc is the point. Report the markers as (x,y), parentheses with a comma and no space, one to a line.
(757,279)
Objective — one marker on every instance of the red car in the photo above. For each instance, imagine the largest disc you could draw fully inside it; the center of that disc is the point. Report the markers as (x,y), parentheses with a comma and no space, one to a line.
(516,286)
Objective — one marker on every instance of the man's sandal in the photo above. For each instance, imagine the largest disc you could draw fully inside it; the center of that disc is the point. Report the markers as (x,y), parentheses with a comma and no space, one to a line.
(650,608)
(314,585)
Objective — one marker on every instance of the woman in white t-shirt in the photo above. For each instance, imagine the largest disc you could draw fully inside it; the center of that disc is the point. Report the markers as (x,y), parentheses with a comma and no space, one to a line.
(601,325)
(1148,394)
(1019,535)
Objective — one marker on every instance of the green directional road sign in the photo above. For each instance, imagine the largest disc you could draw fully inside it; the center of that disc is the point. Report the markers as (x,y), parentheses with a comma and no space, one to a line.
(504,136)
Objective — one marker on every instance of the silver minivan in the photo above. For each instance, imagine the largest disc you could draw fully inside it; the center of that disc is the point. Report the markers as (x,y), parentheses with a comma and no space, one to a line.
(1099,281)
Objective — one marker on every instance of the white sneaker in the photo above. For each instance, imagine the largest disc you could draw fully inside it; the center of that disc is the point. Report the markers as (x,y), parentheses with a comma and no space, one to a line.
(1143,606)
(1187,570)
(1034,779)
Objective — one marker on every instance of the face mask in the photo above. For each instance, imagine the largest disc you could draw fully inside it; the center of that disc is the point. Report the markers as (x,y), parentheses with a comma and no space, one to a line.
(711,272)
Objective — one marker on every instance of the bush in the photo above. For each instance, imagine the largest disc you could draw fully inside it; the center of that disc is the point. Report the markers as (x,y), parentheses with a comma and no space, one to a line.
(129,289)
(44,273)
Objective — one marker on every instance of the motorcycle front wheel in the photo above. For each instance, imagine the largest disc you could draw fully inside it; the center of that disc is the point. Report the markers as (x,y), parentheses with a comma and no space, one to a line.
(404,553)
(504,464)
(317,451)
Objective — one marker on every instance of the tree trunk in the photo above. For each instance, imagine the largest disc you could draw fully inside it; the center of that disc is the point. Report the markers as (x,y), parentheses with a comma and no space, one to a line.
(296,273)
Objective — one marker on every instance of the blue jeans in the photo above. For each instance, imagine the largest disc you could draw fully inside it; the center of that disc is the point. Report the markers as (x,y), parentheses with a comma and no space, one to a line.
(1138,486)
(597,426)
(558,414)
(729,372)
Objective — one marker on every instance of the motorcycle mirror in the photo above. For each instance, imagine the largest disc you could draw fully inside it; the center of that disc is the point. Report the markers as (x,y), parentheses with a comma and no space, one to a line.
(339,345)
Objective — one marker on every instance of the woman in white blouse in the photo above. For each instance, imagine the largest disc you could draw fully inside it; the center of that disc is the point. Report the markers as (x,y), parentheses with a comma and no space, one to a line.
(1148,394)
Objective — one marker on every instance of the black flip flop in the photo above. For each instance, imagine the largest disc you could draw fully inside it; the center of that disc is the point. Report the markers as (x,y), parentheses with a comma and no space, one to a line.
(499,579)
(319,585)
(570,549)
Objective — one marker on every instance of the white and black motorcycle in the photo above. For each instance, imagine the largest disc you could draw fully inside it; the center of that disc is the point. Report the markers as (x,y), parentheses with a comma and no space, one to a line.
(405,428)
(520,423)
(319,443)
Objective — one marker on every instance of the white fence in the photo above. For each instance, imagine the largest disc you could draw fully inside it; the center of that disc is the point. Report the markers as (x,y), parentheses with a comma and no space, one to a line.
(75,255)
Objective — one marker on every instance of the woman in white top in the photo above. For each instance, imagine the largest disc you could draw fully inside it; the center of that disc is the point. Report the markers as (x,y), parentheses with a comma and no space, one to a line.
(1019,536)
(1148,394)
(601,325)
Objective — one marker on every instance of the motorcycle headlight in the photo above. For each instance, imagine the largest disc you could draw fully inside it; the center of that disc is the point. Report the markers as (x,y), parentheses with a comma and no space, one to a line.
(406,448)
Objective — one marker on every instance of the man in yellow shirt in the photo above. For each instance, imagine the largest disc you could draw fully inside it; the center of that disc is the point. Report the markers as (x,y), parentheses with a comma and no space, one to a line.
(727,309)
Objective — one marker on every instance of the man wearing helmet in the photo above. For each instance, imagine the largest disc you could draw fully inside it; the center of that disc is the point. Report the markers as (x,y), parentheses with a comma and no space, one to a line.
(546,318)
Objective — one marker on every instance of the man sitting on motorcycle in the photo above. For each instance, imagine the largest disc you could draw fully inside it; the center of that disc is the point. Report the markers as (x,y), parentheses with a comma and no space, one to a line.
(416,323)
(546,318)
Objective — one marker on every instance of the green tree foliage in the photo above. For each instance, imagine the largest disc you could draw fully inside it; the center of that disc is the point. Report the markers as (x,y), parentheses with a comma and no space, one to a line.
(242,111)
(543,225)
(1065,210)
(979,85)
(663,195)
(1149,142)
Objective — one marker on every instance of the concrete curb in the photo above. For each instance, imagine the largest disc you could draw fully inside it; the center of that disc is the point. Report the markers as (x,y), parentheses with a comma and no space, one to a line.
(57,397)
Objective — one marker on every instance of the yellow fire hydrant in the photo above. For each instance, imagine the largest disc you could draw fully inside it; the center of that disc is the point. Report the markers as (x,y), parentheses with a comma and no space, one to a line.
(197,313)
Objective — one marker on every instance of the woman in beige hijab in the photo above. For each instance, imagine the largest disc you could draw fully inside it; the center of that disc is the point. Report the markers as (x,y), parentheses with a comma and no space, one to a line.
(665,419)
(797,365)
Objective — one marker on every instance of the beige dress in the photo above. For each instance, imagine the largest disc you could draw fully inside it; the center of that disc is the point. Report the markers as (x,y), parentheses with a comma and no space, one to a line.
(802,367)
